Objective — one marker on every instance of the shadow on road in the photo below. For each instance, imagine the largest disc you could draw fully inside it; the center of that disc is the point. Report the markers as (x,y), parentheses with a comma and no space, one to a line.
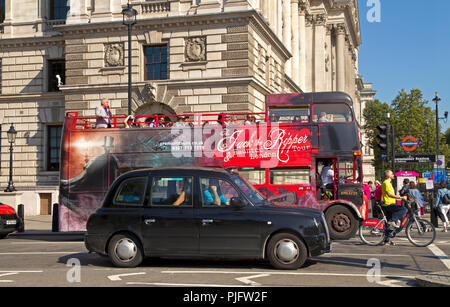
(93,259)
(45,236)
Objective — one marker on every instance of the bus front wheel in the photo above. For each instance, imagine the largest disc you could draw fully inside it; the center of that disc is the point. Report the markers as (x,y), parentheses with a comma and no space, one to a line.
(342,223)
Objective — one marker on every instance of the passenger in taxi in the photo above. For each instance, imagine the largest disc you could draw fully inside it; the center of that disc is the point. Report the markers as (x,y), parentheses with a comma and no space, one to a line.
(182,197)
(212,194)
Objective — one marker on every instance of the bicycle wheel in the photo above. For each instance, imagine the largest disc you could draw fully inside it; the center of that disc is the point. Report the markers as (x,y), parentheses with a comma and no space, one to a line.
(420,232)
(372,231)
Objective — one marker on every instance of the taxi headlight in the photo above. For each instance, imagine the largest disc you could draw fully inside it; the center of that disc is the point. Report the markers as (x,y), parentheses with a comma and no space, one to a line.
(325,225)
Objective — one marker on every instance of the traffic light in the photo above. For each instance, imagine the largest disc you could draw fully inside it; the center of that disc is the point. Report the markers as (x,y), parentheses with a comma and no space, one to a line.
(383,140)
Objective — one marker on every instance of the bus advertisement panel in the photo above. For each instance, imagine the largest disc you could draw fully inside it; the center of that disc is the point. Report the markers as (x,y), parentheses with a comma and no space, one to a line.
(282,158)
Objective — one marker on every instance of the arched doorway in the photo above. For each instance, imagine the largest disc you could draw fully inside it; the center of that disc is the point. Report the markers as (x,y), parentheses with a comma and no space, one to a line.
(154,108)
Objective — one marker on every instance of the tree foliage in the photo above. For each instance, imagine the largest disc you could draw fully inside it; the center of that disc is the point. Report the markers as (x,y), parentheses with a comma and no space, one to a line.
(411,116)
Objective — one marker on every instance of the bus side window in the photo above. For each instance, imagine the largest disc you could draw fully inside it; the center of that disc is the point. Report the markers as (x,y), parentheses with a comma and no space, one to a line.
(298,114)
(254,176)
(346,171)
(280,176)
(331,112)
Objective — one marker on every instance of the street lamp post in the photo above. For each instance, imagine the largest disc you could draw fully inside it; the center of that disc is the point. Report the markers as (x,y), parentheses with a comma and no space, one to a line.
(129,19)
(11,139)
(436,99)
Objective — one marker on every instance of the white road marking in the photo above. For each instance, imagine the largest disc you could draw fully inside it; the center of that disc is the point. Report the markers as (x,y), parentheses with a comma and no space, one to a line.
(9,273)
(362,255)
(281,273)
(246,280)
(182,285)
(391,282)
(45,242)
(119,276)
(40,253)
(440,255)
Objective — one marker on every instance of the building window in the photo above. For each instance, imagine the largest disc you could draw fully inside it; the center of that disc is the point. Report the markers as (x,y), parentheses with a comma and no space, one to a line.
(59,9)
(2,11)
(53,147)
(1,76)
(156,64)
(56,68)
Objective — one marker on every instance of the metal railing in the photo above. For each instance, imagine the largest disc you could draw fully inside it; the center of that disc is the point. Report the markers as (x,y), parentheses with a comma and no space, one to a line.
(168,121)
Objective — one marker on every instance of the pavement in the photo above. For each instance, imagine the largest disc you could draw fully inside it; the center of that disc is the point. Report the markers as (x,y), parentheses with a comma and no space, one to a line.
(42,226)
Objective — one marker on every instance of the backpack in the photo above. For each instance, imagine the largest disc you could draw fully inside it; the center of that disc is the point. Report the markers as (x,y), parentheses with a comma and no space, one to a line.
(446,199)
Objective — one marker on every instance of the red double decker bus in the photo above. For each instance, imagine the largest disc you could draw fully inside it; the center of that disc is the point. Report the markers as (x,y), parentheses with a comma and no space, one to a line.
(284,152)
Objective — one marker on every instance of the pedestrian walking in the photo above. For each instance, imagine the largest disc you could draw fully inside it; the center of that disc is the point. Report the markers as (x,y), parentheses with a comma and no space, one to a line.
(405,188)
(377,195)
(416,193)
(442,203)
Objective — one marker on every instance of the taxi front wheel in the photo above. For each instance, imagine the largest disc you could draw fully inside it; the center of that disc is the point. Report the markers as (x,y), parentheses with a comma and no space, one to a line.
(124,250)
(286,251)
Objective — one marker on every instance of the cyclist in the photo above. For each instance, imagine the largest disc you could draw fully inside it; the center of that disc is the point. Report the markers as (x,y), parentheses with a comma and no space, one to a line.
(389,198)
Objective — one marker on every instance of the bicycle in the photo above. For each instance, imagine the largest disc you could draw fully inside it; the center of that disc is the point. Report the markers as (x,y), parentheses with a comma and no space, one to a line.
(421,233)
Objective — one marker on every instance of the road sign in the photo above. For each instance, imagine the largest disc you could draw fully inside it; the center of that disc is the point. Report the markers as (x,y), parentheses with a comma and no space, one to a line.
(410,143)
(439,175)
(428,175)
(415,159)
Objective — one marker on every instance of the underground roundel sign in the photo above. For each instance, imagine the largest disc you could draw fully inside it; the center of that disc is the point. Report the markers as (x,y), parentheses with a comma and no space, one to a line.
(409,143)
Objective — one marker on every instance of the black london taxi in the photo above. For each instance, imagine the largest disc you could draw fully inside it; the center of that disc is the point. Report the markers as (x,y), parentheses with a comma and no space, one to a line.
(201,212)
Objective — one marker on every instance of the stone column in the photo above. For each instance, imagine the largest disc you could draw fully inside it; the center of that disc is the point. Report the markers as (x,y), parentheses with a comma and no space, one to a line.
(319,52)
(102,11)
(287,32)
(302,46)
(279,7)
(209,6)
(295,63)
(272,15)
(309,47)
(340,57)
(329,58)
(77,13)
(266,9)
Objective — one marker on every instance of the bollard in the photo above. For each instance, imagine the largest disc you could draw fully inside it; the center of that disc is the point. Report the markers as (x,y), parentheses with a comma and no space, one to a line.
(55,218)
(21,214)
(433,217)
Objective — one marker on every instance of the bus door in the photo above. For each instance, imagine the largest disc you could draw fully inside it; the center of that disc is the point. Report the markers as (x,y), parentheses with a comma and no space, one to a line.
(326,183)
(349,178)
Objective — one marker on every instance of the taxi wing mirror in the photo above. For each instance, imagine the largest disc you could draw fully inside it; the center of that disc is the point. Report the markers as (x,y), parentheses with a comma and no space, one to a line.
(237,203)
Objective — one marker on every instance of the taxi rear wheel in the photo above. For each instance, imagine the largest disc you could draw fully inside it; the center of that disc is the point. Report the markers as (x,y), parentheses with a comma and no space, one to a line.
(124,250)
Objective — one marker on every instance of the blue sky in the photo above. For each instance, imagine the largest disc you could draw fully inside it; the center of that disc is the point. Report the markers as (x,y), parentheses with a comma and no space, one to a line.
(408,48)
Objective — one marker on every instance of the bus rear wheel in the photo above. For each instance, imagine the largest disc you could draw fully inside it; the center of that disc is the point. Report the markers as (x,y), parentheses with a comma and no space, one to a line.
(342,223)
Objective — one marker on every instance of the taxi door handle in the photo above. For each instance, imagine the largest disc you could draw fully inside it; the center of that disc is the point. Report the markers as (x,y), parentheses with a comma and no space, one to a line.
(207,221)
(149,221)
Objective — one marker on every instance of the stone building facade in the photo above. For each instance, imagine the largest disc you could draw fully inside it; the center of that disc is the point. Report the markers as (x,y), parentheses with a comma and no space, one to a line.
(214,56)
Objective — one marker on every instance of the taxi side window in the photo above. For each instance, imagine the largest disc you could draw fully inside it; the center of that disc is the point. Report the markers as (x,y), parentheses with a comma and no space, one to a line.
(131,192)
(172,191)
(217,192)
